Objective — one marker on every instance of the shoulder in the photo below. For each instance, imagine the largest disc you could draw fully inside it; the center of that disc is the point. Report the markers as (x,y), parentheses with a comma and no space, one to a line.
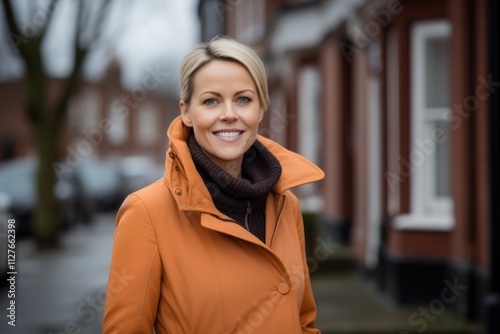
(153,191)
(147,199)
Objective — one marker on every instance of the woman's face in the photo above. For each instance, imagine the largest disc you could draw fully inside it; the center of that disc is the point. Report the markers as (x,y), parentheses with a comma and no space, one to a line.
(224,112)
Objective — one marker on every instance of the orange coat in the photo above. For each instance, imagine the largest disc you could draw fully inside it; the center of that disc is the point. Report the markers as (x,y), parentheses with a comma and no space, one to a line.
(181,266)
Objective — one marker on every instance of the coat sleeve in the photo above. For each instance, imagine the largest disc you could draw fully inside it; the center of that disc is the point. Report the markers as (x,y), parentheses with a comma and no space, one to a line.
(135,274)
(308,308)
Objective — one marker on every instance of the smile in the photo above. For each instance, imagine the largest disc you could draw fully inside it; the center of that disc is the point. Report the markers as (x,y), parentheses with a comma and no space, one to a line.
(228,134)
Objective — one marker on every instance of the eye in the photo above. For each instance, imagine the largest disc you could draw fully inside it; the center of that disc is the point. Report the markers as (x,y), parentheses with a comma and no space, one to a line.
(210,102)
(244,99)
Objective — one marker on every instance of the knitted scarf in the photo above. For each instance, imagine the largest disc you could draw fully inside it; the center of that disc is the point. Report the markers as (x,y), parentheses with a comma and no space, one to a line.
(243,200)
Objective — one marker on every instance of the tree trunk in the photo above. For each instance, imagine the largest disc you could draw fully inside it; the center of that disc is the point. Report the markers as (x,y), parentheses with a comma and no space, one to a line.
(47,214)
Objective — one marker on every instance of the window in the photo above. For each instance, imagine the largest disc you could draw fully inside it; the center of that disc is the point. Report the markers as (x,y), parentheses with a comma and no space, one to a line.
(250,21)
(429,160)
(147,125)
(118,133)
(309,133)
(90,109)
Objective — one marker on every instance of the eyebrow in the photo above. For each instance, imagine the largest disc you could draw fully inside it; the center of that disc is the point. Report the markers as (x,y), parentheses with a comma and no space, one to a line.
(237,93)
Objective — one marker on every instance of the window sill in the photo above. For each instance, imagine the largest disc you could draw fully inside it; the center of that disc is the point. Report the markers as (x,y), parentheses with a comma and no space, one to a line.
(414,222)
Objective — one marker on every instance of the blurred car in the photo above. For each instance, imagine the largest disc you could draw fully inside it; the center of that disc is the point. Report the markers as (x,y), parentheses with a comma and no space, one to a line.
(137,172)
(78,205)
(102,181)
(18,180)
(4,218)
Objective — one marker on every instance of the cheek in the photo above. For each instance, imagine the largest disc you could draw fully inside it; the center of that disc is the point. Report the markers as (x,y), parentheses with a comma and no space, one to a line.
(201,120)
(255,117)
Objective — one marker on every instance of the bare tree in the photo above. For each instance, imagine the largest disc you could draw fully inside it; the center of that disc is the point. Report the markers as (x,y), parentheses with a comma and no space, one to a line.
(47,116)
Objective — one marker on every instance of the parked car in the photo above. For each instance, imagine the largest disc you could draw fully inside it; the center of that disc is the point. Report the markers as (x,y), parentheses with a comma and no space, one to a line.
(138,171)
(18,180)
(102,181)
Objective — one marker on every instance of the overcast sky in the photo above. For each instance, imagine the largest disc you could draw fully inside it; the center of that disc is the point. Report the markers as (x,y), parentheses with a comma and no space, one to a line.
(140,33)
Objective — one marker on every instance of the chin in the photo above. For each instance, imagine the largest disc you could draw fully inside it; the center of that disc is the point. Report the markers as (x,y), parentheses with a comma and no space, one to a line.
(228,154)
(229,157)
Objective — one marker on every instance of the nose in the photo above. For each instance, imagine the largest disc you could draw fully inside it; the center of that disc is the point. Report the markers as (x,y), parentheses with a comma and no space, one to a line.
(228,114)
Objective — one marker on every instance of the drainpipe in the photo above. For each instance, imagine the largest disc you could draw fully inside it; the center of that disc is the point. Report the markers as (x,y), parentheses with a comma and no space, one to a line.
(492,301)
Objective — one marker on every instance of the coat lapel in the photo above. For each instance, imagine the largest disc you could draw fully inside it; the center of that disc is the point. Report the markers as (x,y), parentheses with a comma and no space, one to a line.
(227,226)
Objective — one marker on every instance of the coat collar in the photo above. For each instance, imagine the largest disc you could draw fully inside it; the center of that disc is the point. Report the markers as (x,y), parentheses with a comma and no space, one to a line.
(188,188)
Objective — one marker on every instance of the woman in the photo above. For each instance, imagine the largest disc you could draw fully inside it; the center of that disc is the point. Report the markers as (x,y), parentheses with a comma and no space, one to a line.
(217,245)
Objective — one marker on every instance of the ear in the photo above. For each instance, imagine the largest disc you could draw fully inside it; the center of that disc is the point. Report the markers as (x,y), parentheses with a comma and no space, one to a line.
(261,114)
(185,114)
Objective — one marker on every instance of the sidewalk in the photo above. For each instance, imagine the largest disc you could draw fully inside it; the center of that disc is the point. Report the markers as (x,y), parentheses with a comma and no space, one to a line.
(51,296)
(63,292)
(347,304)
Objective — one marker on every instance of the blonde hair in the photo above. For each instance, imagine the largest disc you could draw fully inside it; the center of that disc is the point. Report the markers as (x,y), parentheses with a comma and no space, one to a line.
(226,49)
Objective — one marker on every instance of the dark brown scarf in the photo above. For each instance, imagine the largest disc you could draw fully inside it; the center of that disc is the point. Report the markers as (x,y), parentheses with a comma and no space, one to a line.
(242,200)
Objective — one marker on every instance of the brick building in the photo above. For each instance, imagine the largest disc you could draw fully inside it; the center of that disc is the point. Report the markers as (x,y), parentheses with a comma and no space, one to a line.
(105,119)
(395,101)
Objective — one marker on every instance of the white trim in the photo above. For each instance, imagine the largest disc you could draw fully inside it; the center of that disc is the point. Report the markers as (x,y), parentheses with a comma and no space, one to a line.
(374,210)
(307,27)
(424,223)
(309,123)
(428,211)
(309,134)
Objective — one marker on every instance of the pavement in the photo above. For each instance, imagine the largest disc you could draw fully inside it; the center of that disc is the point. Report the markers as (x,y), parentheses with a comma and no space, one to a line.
(349,304)
(63,292)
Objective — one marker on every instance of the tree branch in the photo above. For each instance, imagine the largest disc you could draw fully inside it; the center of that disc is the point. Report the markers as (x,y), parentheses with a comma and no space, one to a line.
(78,25)
(69,88)
(50,14)
(9,14)
(100,21)
(81,52)
(30,54)
(15,31)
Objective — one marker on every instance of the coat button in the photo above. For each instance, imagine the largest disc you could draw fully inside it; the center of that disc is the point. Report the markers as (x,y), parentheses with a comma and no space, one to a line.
(178,192)
(283,288)
(172,155)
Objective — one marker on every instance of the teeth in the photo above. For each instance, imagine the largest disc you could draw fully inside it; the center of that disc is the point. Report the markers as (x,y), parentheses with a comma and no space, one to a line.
(228,134)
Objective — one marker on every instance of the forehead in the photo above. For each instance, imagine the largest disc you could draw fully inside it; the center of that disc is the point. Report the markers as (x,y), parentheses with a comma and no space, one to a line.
(221,72)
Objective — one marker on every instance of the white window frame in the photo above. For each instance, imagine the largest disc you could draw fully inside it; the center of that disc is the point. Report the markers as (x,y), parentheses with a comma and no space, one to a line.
(428,212)
(309,131)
